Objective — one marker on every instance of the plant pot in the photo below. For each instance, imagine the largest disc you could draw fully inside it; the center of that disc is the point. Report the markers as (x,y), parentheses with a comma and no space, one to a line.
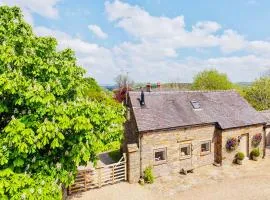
(141,181)
(239,162)
(255,158)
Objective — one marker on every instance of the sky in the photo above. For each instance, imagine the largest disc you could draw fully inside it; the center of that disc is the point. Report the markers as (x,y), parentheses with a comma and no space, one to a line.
(157,40)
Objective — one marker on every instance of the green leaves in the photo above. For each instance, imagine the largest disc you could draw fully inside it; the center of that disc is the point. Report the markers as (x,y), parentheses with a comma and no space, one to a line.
(258,94)
(52,119)
(81,123)
(22,186)
(211,80)
(18,162)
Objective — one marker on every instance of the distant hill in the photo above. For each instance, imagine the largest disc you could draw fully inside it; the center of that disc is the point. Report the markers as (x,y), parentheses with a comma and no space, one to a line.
(244,83)
(168,86)
(109,87)
(165,86)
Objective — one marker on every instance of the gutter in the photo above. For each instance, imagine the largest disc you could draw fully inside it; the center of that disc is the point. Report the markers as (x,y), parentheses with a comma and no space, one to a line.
(177,127)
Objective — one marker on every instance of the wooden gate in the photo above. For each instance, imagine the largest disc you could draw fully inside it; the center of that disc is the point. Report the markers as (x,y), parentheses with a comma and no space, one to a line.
(95,178)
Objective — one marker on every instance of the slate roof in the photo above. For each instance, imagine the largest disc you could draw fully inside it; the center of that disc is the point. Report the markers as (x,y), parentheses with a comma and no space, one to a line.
(266,114)
(164,110)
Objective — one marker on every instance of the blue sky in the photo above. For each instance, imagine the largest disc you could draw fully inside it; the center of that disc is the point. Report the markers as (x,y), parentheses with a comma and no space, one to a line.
(157,40)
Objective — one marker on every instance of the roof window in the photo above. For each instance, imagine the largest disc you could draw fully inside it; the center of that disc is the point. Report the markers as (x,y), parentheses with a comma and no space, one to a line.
(195,104)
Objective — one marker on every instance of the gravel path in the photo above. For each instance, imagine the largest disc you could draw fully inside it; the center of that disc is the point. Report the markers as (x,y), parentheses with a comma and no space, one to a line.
(120,191)
(247,182)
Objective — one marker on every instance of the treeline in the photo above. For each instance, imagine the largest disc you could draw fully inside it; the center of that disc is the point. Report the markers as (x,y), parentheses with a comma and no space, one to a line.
(257,93)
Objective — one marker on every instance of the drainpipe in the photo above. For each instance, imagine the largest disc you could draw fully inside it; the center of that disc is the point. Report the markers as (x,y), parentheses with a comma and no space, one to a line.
(140,147)
(264,141)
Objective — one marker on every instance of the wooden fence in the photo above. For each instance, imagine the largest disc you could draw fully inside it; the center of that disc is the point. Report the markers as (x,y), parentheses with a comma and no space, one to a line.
(95,178)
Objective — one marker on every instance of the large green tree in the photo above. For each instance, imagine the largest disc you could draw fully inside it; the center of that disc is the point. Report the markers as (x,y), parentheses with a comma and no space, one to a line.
(258,94)
(211,80)
(48,125)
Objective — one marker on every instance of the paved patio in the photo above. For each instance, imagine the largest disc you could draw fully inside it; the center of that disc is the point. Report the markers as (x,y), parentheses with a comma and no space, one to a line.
(248,181)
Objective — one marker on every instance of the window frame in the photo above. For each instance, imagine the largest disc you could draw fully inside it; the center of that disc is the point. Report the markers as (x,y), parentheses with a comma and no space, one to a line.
(205,152)
(183,145)
(158,162)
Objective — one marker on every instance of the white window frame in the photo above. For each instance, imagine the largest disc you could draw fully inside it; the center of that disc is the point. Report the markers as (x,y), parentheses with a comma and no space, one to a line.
(189,145)
(157,162)
(205,142)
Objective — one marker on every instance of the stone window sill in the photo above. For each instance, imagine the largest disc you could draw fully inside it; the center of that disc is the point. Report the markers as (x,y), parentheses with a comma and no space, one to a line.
(185,157)
(205,153)
(160,162)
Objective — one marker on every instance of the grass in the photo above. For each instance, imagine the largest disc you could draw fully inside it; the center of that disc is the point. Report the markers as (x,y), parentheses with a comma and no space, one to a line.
(115,155)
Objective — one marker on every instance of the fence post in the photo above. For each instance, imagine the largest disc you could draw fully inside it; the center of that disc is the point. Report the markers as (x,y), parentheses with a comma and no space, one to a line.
(125,161)
(68,191)
(99,176)
(85,180)
(113,173)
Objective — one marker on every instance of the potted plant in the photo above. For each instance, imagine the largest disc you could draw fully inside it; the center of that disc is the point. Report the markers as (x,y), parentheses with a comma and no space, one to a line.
(231,144)
(255,153)
(256,139)
(148,175)
(239,157)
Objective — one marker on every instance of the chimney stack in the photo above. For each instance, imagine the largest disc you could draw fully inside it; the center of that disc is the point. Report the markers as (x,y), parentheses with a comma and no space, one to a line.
(148,87)
(158,85)
(142,99)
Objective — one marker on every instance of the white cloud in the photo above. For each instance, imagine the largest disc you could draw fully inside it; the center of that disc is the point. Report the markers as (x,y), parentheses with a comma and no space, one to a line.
(252,2)
(97,31)
(161,42)
(206,27)
(259,47)
(96,59)
(45,8)
(146,63)
(171,32)
(157,54)
(231,41)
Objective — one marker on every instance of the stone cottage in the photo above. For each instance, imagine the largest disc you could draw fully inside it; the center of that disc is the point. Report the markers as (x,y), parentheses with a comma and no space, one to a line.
(182,130)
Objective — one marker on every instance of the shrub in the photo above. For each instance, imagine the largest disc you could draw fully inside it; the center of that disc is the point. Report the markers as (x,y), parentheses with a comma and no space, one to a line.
(255,153)
(256,139)
(148,175)
(231,144)
(240,156)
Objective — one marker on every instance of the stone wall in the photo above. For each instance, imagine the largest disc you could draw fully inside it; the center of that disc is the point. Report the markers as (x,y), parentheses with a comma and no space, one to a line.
(133,163)
(228,157)
(131,135)
(267,133)
(171,140)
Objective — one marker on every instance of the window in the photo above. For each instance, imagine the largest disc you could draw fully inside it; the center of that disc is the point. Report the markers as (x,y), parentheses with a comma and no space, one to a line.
(185,151)
(205,147)
(195,104)
(160,155)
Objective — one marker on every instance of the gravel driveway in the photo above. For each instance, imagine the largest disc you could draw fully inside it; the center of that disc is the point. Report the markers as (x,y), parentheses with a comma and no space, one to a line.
(247,182)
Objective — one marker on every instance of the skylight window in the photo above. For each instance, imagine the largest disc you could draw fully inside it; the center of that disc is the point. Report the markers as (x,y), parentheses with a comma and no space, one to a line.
(195,104)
